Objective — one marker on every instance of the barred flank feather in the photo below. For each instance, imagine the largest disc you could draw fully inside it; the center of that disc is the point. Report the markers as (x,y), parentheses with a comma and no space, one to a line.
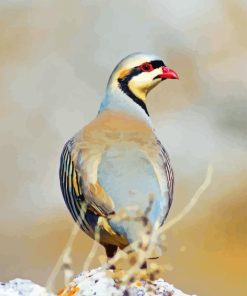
(70,187)
(168,171)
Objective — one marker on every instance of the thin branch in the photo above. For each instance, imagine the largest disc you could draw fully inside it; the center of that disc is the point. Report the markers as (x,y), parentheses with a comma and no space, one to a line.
(192,202)
(67,250)
(93,251)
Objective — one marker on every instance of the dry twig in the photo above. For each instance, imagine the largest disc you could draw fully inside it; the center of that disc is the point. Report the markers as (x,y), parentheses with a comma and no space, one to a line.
(147,244)
(60,262)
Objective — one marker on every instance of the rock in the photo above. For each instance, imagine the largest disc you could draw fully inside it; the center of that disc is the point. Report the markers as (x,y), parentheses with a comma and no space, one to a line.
(98,283)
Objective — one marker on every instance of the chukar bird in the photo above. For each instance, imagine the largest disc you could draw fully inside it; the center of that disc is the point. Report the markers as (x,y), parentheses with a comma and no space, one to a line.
(117,163)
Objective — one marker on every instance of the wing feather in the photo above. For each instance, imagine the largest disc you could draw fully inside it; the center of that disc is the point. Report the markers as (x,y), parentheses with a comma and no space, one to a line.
(70,188)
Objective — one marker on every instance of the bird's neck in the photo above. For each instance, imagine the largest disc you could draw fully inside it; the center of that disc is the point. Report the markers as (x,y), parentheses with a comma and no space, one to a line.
(117,100)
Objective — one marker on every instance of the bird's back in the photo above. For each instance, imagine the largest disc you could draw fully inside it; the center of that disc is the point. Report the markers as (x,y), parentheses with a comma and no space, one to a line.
(121,155)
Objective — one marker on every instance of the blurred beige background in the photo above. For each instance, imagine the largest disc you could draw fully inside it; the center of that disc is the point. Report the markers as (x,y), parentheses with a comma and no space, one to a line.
(55,59)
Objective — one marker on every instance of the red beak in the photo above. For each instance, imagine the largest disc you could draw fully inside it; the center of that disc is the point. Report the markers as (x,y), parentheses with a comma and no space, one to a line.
(168,74)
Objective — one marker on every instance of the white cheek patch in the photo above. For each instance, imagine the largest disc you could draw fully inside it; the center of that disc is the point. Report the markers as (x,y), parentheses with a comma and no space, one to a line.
(145,81)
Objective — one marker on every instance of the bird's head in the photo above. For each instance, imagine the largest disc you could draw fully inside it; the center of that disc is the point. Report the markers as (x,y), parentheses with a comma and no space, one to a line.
(138,73)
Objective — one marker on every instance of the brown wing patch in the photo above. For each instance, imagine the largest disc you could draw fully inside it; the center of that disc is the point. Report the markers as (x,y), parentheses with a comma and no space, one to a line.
(100,201)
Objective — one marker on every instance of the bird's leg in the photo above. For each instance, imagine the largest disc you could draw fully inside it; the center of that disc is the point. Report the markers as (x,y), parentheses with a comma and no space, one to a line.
(111,251)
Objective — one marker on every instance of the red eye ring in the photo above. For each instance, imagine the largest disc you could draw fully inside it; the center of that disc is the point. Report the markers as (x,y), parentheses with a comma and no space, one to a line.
(146,67)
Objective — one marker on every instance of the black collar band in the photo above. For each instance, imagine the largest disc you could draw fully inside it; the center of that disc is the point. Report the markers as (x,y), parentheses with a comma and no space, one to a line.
(123,85)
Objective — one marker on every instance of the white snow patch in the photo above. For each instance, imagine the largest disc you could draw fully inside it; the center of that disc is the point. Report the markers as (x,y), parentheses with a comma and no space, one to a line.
(20,287)
(95,282)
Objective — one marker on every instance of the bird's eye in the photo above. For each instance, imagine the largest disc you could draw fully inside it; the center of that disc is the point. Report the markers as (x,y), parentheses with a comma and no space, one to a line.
(146,67)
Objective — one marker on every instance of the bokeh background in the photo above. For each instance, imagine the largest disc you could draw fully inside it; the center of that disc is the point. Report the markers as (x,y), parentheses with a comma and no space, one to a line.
(56,57)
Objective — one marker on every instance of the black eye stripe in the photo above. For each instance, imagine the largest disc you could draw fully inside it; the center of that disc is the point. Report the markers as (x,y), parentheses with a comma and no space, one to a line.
(157,63)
